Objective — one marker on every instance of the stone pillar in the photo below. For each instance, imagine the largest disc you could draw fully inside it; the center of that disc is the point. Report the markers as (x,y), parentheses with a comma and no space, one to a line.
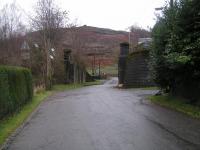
(124,51)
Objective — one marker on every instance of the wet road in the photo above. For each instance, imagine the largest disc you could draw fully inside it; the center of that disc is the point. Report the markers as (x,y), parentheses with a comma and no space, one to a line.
(105,118)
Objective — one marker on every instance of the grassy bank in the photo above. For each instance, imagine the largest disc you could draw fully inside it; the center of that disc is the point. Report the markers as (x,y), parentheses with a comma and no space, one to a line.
(10,124)
(113,70)
(177,104)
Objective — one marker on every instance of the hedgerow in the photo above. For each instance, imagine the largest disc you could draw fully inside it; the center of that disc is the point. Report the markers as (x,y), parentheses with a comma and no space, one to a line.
(15,89)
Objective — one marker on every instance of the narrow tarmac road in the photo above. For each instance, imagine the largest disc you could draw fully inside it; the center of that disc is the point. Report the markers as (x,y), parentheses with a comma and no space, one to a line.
(105,118)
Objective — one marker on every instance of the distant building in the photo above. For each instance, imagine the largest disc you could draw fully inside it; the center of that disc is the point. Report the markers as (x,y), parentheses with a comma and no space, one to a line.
(145,42)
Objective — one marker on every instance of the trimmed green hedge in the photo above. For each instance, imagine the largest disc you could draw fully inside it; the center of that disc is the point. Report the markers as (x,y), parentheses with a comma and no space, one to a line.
(15,89)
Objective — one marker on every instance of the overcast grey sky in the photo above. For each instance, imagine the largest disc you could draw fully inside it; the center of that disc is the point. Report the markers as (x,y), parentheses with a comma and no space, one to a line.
(114,14)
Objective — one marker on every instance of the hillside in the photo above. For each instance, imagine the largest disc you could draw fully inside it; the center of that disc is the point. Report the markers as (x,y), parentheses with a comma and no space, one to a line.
(92,40)
(88,41)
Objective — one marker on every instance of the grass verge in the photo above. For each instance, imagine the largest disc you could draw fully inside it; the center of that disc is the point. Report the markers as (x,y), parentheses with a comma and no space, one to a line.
(10,124)
(177,104)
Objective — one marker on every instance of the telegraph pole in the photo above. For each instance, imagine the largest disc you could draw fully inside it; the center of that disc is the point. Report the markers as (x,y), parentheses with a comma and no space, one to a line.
(171,3)
(99,68)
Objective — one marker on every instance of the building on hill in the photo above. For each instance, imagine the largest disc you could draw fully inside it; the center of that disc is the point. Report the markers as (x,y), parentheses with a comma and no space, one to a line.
(145,42)
(133,67)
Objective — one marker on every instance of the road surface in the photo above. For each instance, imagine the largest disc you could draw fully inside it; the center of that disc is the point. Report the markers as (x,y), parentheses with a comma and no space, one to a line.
(105,118)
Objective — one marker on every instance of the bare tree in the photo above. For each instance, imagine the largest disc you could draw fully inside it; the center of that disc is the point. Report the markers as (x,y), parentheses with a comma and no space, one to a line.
(49,18)
(11,30)
(78,41)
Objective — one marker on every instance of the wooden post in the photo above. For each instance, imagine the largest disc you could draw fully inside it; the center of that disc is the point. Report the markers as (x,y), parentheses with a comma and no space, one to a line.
(99,68)
(94,64)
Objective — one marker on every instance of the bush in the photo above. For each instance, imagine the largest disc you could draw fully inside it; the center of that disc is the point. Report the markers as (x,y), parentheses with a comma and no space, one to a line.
(176,49)
(15,89)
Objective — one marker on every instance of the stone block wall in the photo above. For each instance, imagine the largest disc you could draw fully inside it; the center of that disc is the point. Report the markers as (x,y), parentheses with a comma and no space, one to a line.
(137,72)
